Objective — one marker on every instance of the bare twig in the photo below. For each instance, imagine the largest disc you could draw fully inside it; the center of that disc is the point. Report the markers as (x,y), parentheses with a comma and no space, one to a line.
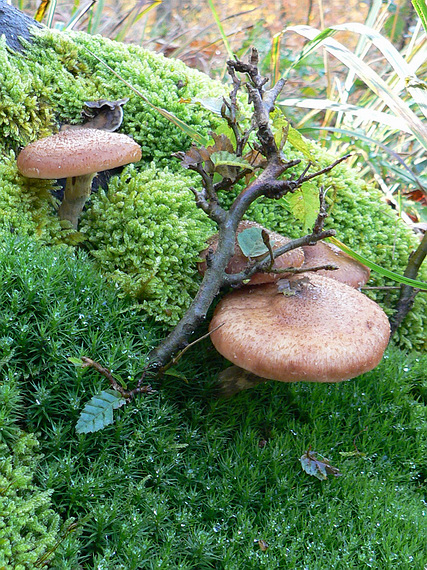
(407,293)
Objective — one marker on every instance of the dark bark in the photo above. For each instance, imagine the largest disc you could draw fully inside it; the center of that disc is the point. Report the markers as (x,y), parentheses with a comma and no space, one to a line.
(14,25)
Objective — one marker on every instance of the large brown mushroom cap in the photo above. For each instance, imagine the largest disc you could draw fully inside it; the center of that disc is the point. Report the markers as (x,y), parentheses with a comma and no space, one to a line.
(325,332)
(239,261)
(349,270)
(77,152)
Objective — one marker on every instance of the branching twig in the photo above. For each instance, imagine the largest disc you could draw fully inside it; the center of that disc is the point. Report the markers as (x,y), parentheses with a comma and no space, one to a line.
(407,293)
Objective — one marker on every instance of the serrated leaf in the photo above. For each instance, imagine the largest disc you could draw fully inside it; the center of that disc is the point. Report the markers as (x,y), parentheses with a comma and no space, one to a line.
(251,243)
(224,158)
(212,104)
(304,204)
(302,144)
(98,412)
(280,127)
(317,466)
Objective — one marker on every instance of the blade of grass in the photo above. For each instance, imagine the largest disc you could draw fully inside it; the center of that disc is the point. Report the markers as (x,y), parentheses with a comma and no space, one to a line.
(421,9)
(362,112)
(190,131)
(79,15)
(51,13)
(373,142)
(41,10)
(400,66)
(381,270)
(221,29)
(368,75)
(275,57)
(139,13)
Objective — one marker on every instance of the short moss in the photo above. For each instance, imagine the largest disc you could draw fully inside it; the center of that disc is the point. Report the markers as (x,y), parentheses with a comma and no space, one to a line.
(50,85)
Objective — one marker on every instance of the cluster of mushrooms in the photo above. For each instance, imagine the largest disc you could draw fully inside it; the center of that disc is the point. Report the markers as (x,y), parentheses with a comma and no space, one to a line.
(316,328)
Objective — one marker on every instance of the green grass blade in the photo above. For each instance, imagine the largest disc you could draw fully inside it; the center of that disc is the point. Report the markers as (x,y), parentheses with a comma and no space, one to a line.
(138,15)
(221,29)
(51,13)
(362,112)
(79,15)
(368,75)
(421,9)
(401,67)
(412,177)
(275,57)
(187,129)
(381,270)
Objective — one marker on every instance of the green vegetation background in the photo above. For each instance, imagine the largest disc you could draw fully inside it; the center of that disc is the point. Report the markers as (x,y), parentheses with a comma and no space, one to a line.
(182,479)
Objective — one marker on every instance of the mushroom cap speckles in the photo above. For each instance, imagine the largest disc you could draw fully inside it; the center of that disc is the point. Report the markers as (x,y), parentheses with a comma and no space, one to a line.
(76,152)
(239,262)
(349,270)
(326,332)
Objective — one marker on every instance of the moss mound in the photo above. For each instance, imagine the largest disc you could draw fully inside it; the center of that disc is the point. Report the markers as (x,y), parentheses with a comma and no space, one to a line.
(50,85)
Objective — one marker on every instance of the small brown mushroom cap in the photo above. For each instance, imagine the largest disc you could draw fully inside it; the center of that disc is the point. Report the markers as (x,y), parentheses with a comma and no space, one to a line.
(349,270)
(77,152)
(239,261)
(325,332)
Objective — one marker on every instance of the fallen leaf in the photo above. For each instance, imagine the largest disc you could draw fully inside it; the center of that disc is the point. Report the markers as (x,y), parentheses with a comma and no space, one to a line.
(315,464)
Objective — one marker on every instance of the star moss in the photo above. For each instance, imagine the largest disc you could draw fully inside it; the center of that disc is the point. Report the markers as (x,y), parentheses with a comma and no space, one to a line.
(50,84)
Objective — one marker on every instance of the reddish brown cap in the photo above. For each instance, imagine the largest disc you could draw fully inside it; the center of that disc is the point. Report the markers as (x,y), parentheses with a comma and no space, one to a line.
(77,152)
(325,332)
(349,270)
(239,261)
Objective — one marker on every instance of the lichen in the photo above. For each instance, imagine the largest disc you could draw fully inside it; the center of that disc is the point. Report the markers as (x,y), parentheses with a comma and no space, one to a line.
(58,74)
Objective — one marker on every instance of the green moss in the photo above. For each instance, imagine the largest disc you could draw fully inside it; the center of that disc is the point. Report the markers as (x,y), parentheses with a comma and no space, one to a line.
(50,85)
(147,232)
(28,526)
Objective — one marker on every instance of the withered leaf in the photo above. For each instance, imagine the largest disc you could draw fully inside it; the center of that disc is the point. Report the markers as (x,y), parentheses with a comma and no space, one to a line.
(315,464)
(290,288)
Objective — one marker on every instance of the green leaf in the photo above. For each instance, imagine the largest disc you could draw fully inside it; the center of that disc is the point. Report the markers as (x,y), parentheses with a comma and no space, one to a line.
(251,242)
(224,158)
(304,204)
(76,361)
(280,125)
(299,142)
(98,412)
(381,270)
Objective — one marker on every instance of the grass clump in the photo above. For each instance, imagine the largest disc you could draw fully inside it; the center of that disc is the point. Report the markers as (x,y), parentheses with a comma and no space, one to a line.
(183,480)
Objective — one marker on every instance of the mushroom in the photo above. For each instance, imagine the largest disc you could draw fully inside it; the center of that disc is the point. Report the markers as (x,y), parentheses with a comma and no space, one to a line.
(77,155)
(239,262)
(349,270)
(325,331)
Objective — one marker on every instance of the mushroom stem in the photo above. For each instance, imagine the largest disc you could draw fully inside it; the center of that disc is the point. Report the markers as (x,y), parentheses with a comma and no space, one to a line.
(77,191)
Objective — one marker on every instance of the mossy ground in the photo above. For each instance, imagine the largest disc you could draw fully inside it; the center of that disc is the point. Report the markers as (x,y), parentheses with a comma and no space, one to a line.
(50,85)
(185,480)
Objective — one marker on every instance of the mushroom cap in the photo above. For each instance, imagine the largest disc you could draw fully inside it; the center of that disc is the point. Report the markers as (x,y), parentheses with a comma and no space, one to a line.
(349,270)
(76,152)
(325,332)
(239,261)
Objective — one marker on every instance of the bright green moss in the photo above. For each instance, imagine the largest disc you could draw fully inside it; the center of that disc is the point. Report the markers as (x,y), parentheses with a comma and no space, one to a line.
(147,232)
(28,526)
(58,74)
